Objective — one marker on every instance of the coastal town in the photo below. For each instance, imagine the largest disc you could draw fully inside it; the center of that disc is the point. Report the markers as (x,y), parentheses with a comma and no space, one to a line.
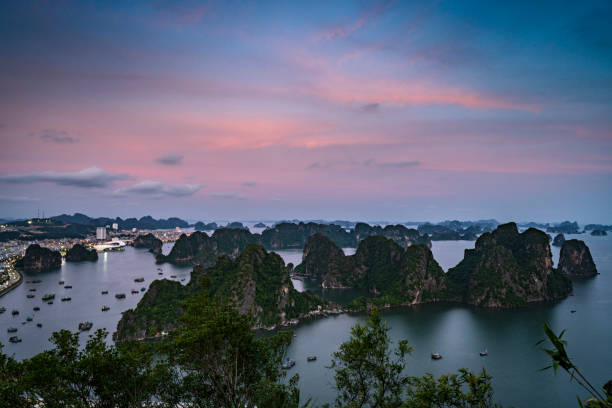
(12,250)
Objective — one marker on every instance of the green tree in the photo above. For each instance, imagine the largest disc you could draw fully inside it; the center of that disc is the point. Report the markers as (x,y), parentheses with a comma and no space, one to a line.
(224,364)
(370,374)
(366,374)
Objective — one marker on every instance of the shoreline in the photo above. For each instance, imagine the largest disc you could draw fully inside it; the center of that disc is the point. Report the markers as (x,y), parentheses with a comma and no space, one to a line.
(12,285)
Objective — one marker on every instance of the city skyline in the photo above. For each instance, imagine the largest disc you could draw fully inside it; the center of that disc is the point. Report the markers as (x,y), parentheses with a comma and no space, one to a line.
(270,110)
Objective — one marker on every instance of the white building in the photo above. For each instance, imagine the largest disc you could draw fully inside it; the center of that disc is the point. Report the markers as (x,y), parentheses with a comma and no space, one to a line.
(101,233)
(115,226)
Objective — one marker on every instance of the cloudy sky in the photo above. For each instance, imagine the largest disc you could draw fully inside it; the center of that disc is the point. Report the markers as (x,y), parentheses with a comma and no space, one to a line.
(339,110)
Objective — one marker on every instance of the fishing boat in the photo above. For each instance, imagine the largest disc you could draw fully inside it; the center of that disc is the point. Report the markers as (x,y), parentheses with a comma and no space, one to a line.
(134,291)
(50,302)
(66,299)
(83,326)
(36,281)
(173,276)
(311,358)
(160,273)
(139,280)
(436,356)
(143,289)
(105,292)
(68,287)
(287,364)
(38,324)
(120,295)
(2,309)
(48,296)
(572,311)
(32,289)
(14,339)
(28,319)
(30,295)
(36,308)
(484,353)
(11,329)
(15,312)
(61,282)
(105,308)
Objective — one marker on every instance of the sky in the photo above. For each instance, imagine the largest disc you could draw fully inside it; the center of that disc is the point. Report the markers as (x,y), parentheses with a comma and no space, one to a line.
(352,110)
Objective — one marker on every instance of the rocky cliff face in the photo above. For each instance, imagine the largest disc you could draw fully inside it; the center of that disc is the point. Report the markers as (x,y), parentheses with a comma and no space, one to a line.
(78,253)
(255,282)
(559,240)
(392,275)
(150,242)
(576,260)
(508,269)
(38,259)
(200,249)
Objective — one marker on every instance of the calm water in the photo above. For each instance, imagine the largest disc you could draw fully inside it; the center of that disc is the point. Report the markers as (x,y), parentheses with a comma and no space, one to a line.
(458,332)
(114,271)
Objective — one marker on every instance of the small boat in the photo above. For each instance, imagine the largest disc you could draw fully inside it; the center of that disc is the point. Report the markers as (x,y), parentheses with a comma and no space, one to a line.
(139,280)
(311,358)
(32,289)
(28,319)
(2,309)
(134,292)
(83,326)
(105,308)
(436,356)
(15,312)
(143,289)
(287,364)
(38,324)
(160,273)
(29,281)
(182,279)
(572,311)
(48,296)
(484,353)
(30,295)
(61,282)
(120,295)
(68,287)
(36,281)
(14,339)
(36,308)
(160,269)
(105,292)
(173,276)
(50,302)
(66,299)
(11,329)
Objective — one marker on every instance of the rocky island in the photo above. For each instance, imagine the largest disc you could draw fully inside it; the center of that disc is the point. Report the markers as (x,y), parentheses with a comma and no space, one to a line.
(575,259)
(255,282)
(78,253)
(508,269)
(599,233)
(391,274)
(150,242)
(200,249)
(39,259)
(559,240)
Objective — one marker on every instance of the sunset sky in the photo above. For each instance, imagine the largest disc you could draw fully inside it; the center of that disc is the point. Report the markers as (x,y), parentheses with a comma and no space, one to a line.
(337,110)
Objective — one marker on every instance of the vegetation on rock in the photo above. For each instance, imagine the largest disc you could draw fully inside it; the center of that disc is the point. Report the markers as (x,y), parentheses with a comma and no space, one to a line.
(78,253)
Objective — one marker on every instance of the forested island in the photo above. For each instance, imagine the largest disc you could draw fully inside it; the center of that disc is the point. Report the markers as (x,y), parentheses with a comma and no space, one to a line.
(505,269)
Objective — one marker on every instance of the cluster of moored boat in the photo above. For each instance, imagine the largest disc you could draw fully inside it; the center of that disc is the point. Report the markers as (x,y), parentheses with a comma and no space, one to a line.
(50,297)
